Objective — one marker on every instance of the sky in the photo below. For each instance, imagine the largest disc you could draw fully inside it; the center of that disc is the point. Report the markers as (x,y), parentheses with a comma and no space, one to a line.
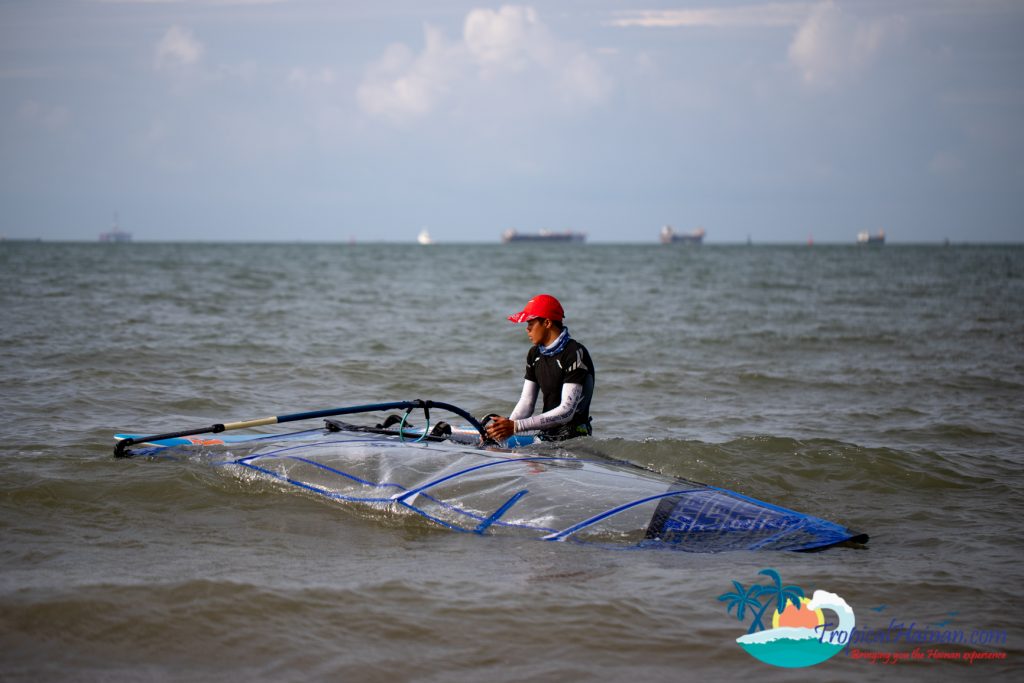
(318,120)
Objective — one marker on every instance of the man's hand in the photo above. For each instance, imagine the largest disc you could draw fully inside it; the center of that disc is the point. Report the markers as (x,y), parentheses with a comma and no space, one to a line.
(500,428)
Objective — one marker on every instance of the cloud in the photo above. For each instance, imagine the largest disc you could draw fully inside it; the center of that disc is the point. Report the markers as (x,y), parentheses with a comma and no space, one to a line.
(831,45)
(582,80)
(509,38)
(498,51)
(513,40)
(403,85)
(178,48)
(764,15)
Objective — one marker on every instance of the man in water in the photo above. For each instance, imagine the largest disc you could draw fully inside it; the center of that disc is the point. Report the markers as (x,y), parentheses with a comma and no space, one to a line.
(559,368)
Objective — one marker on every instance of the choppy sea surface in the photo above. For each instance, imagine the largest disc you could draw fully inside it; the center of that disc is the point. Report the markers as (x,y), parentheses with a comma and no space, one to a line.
(881,388)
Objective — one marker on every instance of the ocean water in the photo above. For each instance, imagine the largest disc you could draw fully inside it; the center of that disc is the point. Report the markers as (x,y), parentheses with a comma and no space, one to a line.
(882,388)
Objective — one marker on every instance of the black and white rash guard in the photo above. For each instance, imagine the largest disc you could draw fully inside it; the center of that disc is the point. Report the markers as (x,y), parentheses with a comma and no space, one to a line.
(565,379)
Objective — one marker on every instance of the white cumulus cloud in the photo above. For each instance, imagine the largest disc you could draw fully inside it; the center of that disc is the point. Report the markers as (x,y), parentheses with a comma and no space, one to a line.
(496,49)
(178,48)
(832,45)
(509,38)
(403,84)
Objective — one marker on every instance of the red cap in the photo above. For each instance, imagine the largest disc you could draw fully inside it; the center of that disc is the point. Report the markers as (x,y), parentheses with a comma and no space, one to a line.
(540,306)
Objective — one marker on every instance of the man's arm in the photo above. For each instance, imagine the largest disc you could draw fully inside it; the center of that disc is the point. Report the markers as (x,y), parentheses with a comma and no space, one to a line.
(572,394)
(500,428)
(526,401)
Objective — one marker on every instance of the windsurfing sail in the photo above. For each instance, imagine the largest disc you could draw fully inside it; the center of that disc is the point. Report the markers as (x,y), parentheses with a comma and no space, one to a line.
(547,494)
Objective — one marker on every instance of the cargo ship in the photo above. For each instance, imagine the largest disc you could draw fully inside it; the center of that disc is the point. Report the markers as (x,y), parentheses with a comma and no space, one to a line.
(512,235)
(867,238)
(669,236)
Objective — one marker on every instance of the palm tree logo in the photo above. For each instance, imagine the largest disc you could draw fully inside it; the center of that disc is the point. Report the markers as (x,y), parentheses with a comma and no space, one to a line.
(794,638)
(778,594)
(743,598)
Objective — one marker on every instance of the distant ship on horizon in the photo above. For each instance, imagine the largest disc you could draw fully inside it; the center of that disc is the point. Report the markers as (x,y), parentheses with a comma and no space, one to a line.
(670,236)
(116,234)
(513,235)
(865,237)
(424,237)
